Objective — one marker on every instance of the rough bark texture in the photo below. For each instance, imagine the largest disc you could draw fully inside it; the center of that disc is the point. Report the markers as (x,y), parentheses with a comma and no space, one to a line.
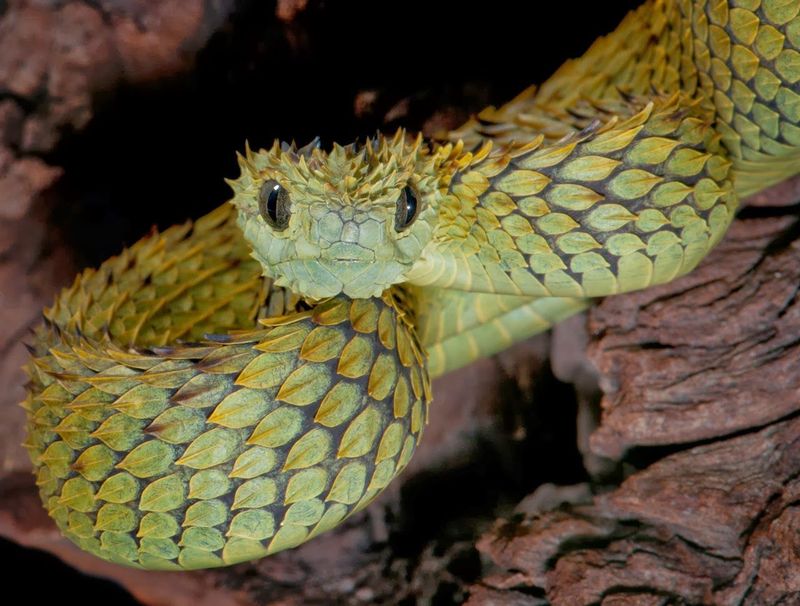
(700,405)
(644,454)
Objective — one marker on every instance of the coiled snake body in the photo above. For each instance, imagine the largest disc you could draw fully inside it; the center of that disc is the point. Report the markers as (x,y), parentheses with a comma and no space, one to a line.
(234,387)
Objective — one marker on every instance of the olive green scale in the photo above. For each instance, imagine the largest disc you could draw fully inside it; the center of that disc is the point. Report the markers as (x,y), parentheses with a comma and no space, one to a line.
(243,444)
(184,412)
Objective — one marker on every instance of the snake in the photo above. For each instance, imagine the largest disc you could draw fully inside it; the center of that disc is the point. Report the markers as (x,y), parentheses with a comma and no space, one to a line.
(234,386)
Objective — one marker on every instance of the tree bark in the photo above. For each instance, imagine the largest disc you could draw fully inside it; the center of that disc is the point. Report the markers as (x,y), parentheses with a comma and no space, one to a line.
(700,408)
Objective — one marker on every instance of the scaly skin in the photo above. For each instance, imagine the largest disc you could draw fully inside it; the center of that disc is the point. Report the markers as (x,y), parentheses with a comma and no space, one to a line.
(225,390)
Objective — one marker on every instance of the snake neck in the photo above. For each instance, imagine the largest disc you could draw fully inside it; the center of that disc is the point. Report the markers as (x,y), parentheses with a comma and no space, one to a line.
(684,108)
(620,205)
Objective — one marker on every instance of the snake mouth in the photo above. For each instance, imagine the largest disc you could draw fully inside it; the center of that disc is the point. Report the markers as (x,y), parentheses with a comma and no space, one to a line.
(323,278)
(348,252)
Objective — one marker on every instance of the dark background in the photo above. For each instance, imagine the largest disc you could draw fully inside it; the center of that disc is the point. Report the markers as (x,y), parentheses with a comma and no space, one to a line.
(158,153)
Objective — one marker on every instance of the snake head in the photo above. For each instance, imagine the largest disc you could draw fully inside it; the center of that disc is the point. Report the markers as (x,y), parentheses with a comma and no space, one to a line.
(351,220)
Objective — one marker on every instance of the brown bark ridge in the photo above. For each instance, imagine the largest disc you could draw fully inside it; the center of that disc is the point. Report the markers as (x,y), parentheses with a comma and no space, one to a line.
(700,400)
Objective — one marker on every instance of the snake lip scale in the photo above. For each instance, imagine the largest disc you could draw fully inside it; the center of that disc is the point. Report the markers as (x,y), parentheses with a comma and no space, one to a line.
(236,386)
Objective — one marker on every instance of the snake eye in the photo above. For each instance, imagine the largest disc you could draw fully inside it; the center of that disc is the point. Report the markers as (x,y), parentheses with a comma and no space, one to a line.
(273,204)
(407,209)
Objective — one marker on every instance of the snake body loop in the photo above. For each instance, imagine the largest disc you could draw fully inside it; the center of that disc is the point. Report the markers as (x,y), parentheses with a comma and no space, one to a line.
(233,387)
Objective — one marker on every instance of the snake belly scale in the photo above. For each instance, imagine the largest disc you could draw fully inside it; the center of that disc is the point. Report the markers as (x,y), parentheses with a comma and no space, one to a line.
(235,386)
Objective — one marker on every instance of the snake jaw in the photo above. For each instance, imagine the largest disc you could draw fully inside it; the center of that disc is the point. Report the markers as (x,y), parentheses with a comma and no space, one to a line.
(320,278)
(324,279)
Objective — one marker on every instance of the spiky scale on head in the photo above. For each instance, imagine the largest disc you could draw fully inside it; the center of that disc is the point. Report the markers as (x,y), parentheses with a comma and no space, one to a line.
(341,209)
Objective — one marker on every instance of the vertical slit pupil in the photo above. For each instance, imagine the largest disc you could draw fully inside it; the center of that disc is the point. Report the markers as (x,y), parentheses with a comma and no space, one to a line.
(406,209)
(272,203)
(411,205)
